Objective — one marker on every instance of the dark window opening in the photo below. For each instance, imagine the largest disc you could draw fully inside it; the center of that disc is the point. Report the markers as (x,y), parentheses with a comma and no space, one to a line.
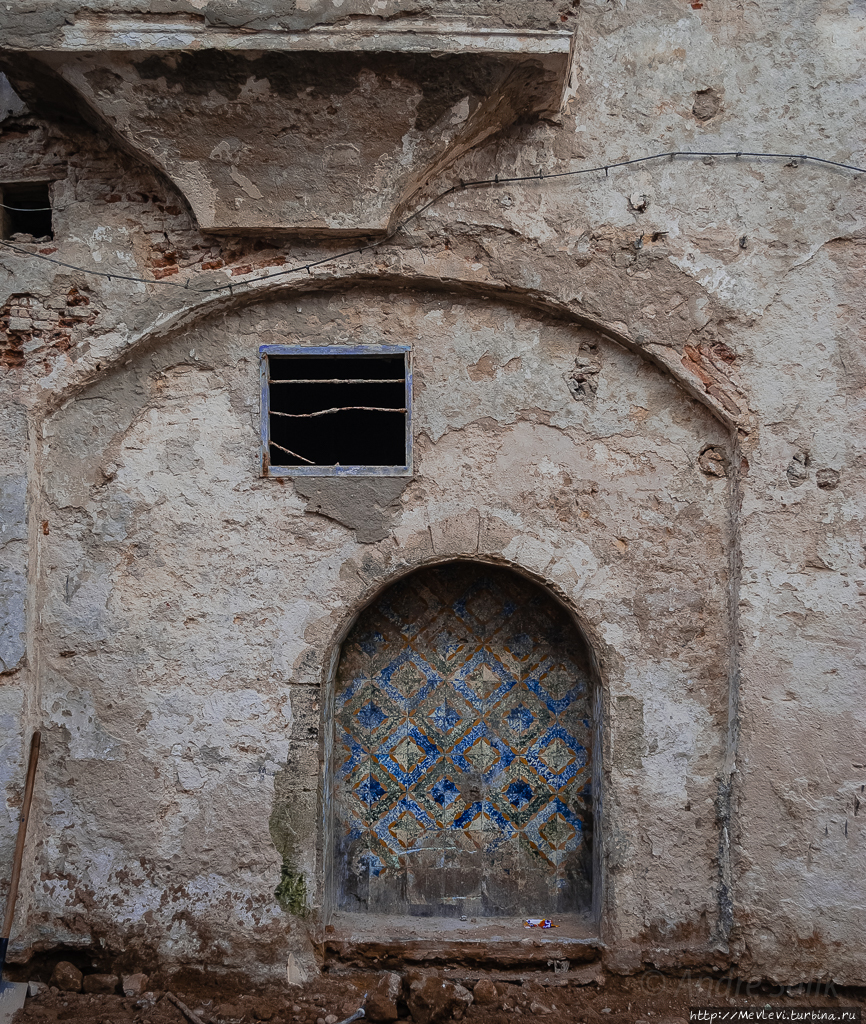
(337,411)
(26,210)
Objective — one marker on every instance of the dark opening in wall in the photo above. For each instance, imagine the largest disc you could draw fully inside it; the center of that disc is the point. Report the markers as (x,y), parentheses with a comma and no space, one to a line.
(327,412)
(26,210)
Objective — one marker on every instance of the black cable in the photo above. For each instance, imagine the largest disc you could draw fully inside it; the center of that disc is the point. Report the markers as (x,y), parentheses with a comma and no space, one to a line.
(479,183)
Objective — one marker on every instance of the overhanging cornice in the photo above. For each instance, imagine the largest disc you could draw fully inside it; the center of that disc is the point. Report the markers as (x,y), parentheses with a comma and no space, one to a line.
(327,131)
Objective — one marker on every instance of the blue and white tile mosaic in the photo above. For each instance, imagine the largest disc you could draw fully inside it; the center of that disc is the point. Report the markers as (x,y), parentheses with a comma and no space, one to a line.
(463,733)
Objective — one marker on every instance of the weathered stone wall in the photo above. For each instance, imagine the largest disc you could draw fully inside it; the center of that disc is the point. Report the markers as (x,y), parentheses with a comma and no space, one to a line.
(740,280)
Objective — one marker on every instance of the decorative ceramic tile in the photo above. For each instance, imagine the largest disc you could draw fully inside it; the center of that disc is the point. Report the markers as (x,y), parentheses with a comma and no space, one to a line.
(557,756)
(483,752)
(483,681)
(408,679)
(462,713)
(374,791)
(407,754)
(443,793)
(520,718)
(484,821)
(401,827)
(555,831)
(444,716)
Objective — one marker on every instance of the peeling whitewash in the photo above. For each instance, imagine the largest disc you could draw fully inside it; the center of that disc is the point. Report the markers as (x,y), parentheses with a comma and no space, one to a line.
(643,390)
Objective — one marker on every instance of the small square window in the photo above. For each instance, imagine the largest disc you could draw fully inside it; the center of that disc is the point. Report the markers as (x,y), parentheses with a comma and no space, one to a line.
(336,412)
(26,210)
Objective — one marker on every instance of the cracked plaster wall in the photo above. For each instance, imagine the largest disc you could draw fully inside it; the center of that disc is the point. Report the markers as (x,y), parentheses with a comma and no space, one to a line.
(769,335)
(189,609)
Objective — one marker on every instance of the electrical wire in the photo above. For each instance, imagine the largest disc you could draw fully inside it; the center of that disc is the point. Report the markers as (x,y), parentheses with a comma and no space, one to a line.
(461,186)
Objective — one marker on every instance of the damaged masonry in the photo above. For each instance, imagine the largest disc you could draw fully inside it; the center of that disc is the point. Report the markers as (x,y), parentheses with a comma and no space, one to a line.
(432,550)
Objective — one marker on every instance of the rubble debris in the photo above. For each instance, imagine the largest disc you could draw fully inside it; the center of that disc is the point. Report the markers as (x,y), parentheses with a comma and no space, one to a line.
(485,993)
(295,973)
(382,1002)
(184,1009)
(134,985)
(67,977)
(712,462)
(100,984)
(432,1000)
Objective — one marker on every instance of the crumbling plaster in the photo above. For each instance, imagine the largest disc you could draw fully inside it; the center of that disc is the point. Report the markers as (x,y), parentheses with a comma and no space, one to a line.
(273,142)
(768,335)
(170,545)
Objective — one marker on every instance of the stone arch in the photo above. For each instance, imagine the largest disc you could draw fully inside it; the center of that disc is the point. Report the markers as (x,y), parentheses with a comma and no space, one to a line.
(544,300)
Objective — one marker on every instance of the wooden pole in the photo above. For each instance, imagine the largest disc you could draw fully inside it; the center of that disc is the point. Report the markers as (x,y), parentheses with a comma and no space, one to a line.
(19,847)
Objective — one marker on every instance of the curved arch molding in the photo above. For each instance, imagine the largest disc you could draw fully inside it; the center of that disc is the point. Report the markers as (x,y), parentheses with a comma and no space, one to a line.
(704,370)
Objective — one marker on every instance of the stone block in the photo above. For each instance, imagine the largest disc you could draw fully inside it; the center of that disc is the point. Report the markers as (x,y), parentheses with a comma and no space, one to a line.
(134,985)
(382,1004)
(485,993)
(66,977)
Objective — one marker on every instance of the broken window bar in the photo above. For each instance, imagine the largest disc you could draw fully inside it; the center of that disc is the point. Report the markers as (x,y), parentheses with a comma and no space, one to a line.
(294,455)
(342,408)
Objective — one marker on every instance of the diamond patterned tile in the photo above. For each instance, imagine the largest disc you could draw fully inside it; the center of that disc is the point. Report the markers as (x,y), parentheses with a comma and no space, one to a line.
(444,716)
(483,681)
(520,718)
(371,792)
(557,756)
(484,607)
(369,715)
(407,754)
(483,752)
(408,679)
(349,753)
(520,793)
(403,826)
(443,793)
(486,824)
(555,831)
(559,683)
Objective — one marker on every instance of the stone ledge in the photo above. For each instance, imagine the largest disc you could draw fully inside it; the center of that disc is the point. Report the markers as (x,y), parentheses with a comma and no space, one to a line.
(435,35)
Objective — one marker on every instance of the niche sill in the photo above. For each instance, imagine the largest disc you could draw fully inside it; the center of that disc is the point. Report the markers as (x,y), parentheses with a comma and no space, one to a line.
(364,939)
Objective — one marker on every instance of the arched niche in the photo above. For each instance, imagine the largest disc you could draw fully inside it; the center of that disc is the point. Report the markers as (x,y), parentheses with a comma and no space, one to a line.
(462,773)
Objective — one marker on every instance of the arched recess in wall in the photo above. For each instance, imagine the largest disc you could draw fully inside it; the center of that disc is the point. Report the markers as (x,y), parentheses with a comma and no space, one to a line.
(462,772)
(173,543)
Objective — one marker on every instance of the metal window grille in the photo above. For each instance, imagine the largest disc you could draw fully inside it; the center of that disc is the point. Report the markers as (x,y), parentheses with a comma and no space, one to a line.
(336,411)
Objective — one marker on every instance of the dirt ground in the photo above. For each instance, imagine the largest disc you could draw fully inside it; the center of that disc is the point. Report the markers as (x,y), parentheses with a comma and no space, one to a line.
(651,997)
